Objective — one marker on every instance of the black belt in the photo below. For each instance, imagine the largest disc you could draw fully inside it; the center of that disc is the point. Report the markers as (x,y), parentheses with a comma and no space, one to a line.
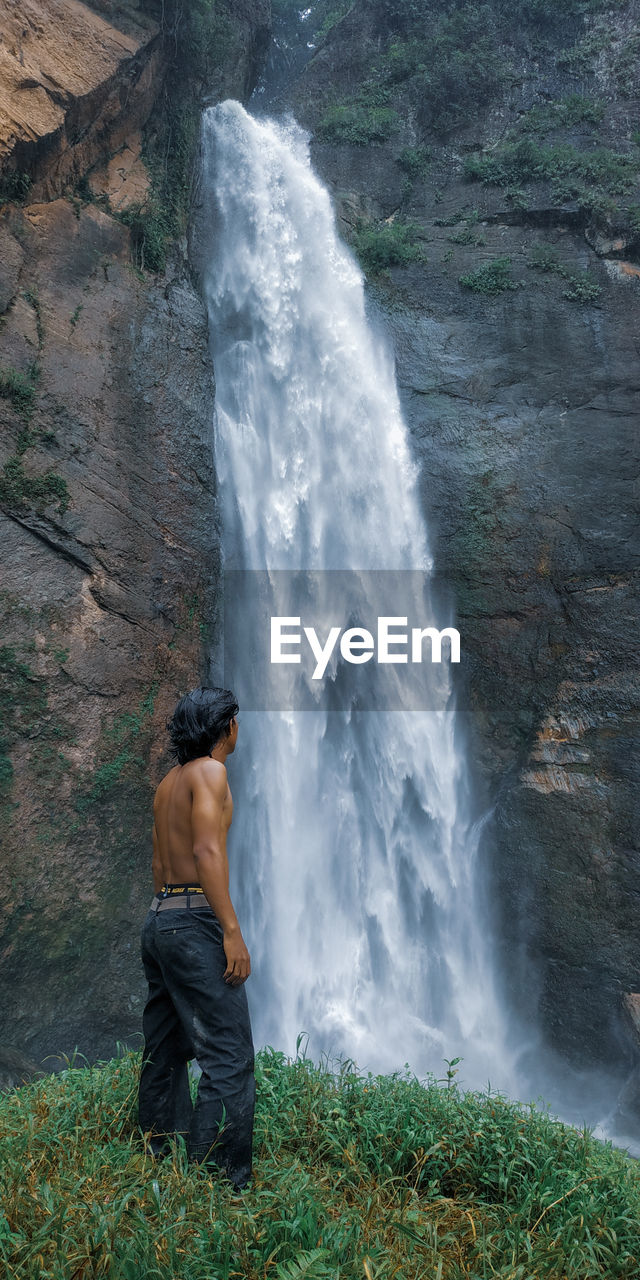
(170,890)
(171,896)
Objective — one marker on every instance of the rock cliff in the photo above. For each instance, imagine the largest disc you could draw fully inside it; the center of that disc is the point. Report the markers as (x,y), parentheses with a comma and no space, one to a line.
(107,488)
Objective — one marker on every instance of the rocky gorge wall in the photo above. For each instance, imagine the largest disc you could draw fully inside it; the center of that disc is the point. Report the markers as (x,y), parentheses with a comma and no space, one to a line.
(107,495)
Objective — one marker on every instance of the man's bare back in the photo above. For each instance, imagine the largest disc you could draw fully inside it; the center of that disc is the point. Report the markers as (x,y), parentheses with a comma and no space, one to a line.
(172,813)
(192,812)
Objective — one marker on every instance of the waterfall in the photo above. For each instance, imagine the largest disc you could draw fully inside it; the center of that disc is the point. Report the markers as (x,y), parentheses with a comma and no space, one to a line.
(353,848)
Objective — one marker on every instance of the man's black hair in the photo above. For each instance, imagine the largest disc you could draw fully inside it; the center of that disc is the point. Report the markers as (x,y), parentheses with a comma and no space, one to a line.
(199,721)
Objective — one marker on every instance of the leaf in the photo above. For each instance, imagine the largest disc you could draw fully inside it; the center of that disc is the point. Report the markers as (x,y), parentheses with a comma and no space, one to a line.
(310,1264)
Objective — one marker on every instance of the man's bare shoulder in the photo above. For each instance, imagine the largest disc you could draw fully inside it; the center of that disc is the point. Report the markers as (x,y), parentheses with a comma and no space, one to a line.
(209,774)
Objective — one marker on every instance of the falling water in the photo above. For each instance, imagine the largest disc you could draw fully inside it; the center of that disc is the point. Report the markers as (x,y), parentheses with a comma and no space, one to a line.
(353,844)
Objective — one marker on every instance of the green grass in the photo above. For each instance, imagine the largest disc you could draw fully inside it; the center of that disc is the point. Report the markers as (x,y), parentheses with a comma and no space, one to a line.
(354,1176)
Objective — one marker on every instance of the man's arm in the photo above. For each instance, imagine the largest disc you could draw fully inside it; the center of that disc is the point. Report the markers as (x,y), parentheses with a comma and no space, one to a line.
(210,855)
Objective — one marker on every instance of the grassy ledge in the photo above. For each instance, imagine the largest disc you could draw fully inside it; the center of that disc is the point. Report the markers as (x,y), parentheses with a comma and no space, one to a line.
(354,1176)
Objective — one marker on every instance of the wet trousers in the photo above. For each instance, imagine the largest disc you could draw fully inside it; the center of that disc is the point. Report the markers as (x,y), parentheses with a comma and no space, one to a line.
(191,1012)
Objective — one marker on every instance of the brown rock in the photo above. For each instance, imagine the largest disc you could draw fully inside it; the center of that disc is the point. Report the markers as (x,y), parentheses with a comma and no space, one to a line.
(74,87)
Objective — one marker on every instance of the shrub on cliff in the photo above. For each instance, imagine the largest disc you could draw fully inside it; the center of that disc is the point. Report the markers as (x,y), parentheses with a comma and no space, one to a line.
(387,244)
(490,278)
(357,123)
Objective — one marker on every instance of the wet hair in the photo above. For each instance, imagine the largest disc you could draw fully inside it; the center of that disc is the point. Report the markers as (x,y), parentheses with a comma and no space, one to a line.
(200,720)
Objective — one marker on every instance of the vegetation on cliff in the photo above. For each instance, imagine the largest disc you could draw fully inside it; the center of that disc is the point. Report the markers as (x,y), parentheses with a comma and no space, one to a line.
(196,39)
(354,1176)
(428,73)
(451,58)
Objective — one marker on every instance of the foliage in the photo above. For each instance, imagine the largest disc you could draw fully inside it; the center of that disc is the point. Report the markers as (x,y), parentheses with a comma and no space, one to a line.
(20,489)
(633,218)
(20,388)
(563,113)
(196,39)
(32,297)
(451,65)
(15,185)
(530,161)
(22,703)
(581,286)
(120,753)
(414,160)
(356,122)
(151,225)
(491,278)
(324,15)
(23,700)
(387,244)
(330,14)
(543,258)
(467,236)
(354,1176)
(594,179)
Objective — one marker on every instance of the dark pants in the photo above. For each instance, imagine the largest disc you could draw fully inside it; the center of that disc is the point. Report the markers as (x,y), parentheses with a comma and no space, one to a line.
(191,1012)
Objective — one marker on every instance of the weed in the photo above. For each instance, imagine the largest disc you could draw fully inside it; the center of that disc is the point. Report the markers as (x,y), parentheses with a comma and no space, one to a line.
(20,388)
(14,186)
(581,286)
(491,278)
(387,244)
(353,1175)
(357,123)
(414,161)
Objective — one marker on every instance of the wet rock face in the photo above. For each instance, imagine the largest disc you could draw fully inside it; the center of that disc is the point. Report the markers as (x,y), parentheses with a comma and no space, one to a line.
(522,407)
(108,510)
(106,588)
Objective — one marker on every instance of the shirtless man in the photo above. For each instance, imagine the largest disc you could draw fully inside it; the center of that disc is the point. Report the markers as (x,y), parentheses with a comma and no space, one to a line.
(194,956)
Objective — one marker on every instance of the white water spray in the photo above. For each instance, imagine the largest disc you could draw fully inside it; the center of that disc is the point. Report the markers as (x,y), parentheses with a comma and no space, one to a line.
(353,847)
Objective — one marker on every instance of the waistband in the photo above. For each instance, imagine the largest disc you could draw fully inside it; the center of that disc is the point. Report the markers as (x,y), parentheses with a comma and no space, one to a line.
(185,899)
